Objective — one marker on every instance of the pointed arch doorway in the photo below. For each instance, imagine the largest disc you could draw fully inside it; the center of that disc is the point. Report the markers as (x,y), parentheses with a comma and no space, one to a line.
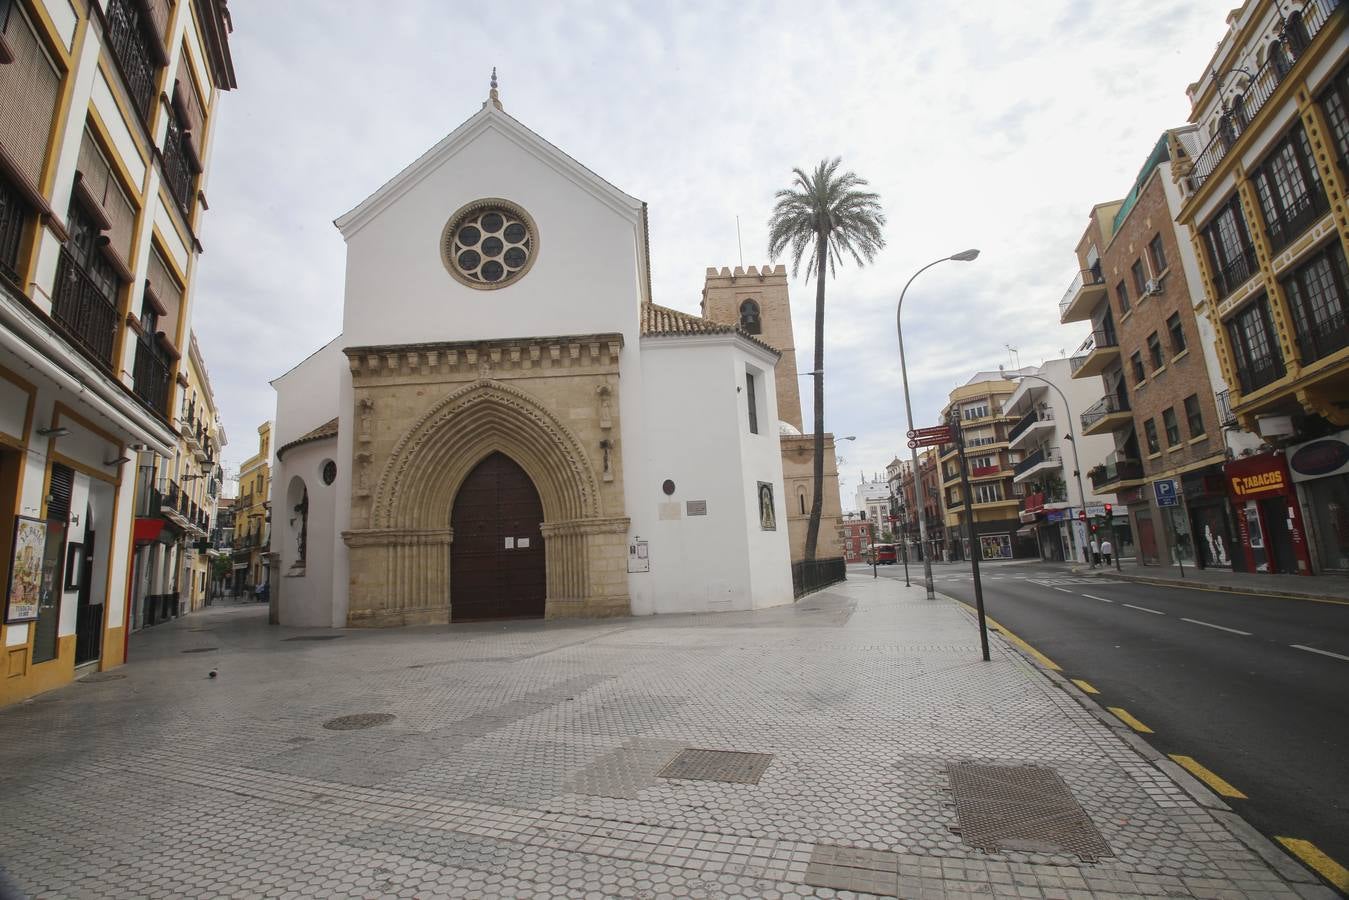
(497,567)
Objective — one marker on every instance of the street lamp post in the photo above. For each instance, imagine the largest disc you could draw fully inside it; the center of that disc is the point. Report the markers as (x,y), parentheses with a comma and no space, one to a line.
(1067,411)
(962,256)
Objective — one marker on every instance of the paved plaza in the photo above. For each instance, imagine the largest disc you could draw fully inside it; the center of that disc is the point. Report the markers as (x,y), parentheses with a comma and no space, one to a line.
(870,752)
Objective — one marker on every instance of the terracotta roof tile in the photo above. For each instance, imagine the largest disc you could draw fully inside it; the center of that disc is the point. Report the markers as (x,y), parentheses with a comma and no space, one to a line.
(326,430)
(661,321)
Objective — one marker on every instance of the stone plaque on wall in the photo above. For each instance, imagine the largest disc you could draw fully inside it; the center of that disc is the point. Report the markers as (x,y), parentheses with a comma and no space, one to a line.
(696,507)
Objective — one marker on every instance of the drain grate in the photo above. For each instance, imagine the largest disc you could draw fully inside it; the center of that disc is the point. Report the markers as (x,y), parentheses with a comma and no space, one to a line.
(730,766)
(97,677)
(200,650)
(1026,808)
(314,637)
(358,721)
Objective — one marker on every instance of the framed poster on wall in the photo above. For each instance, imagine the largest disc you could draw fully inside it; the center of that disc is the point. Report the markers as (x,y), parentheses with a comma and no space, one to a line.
(25,570)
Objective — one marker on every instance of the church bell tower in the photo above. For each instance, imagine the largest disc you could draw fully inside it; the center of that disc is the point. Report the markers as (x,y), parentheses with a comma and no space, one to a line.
(756,300)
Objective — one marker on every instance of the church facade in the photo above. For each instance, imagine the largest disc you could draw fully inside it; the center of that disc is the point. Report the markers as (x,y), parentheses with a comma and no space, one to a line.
(508,426)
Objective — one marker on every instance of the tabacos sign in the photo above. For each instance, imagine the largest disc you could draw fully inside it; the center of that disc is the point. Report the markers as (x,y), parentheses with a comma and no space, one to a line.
(1257,476)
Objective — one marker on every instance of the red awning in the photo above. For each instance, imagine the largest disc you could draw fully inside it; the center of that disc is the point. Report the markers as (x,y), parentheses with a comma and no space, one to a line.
(147,530)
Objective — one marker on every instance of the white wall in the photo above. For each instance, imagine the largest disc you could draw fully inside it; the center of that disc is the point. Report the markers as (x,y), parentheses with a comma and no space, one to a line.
(701,441)
(305,597)
(306,395)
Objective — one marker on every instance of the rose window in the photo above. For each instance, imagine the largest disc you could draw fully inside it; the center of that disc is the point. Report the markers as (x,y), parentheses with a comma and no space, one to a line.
(489,244)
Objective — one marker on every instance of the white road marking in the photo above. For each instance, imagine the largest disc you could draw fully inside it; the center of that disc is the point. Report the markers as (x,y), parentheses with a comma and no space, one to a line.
(1094,597)
(1219,627)
(1322,652)
(1155,612)
(1065,590)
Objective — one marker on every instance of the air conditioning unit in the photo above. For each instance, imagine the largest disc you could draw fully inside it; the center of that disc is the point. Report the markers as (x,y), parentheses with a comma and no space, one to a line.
(1154,286)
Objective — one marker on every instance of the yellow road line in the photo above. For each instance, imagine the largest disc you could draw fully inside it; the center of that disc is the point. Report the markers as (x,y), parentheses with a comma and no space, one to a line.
(1044,660)
(1310,854)
(1212,779)
(1085,686)
(1124,716)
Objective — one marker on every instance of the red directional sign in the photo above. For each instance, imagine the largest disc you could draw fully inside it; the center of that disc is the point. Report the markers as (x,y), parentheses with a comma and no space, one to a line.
(930,437)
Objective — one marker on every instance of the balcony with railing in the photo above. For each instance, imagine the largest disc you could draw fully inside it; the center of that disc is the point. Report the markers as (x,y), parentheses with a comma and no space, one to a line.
(151,373)
(179,172)
(1226,418)
(1227,278)
(1255,93)
(1042,459)
(1079,301)
(1029,425)
(1116,473)
(1254,374)
(14,216)
(129,39)
(1102,350)
(1318,339)
(82,305)
(1106,414)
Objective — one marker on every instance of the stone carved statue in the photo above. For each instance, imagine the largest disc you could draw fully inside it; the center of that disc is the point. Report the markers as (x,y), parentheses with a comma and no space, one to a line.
(302,528)
(366,407)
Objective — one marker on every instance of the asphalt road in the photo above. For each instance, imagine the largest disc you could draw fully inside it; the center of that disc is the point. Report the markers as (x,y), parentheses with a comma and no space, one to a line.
(1231,680)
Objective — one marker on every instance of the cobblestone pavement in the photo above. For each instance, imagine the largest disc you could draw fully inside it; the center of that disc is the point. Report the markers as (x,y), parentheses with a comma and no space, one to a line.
(537,759)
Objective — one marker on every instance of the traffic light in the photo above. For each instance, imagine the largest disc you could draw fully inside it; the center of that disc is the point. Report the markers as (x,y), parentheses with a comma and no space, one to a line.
(1093,528)
(1109,511)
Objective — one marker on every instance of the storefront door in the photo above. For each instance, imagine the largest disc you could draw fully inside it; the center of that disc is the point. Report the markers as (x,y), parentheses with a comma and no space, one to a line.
(1282,556)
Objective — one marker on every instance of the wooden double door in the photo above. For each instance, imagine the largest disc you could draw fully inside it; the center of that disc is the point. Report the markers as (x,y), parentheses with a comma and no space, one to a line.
(497,568)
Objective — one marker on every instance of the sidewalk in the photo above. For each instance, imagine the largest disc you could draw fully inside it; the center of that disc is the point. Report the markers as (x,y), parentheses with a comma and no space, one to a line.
(862,746)
(1313,587)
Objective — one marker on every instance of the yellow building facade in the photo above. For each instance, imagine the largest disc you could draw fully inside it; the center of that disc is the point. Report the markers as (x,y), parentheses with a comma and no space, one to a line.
(106,117)
(252,516)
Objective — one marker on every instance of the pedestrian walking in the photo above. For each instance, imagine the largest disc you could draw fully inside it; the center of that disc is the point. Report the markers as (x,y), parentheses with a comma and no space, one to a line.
(1107,549)
(1095,552)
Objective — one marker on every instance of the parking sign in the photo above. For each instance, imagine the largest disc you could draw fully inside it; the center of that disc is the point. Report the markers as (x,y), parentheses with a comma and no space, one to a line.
(1168,493)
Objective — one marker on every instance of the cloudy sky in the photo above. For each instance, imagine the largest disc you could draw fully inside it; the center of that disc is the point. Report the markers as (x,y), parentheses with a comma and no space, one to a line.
(987,124)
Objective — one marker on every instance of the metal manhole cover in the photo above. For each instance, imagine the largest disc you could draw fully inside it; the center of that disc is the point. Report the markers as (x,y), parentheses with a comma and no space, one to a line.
(199,650)
(1022,808)
(96,677)
(315,637)
(730,766)
(358,721)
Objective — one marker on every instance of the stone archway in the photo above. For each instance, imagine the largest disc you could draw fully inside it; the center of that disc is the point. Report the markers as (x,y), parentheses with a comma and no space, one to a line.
(400,560)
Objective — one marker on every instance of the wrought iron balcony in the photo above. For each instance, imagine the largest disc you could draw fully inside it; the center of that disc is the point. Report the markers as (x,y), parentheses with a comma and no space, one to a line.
(1102,350)
(1103,411)
(1116,471)
(1081,297)
(1236,273)
(1254,374)
(14,215)
(151,374)
(1029,421)
(178,171)
(1304,211)
(128,38)
(82,305)
(1226,418)
(1038,458)
(1317,340)
(1256,93)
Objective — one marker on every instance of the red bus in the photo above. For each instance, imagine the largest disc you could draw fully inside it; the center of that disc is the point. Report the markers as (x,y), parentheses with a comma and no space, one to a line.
(884,554)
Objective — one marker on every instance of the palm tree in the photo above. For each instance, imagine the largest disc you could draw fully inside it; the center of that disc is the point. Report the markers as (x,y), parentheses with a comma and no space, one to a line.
(829,213)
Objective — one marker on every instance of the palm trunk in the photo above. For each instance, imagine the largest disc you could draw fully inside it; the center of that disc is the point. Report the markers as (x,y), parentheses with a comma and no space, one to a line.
(817,503)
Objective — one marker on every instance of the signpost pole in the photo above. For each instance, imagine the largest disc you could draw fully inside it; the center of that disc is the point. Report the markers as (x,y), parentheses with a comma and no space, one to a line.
(904,548)
(871,530)
(959,435)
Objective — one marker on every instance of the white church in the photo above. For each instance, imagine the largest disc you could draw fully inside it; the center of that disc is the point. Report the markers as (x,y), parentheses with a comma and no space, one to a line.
(508,426)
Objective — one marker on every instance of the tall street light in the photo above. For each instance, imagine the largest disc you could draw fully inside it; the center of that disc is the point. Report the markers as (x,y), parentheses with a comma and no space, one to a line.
(962,256)
(1067,411)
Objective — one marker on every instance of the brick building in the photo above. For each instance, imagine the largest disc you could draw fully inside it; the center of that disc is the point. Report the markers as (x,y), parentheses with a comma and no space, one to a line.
(1138,289)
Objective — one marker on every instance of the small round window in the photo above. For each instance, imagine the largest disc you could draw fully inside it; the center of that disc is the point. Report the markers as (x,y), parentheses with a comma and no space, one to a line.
(329,472)
(489,244)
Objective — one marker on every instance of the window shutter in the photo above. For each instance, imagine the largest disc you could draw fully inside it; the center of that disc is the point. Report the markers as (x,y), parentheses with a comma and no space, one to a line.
(103,189)
(28,90)
(58,495)
(167,291)
(192,116)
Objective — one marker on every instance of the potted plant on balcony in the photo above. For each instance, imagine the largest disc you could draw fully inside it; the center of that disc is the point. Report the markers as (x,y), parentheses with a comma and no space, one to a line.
(1096,472)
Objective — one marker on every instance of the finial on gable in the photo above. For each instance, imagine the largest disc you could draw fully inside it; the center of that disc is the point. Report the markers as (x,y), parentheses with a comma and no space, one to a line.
(492,96)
